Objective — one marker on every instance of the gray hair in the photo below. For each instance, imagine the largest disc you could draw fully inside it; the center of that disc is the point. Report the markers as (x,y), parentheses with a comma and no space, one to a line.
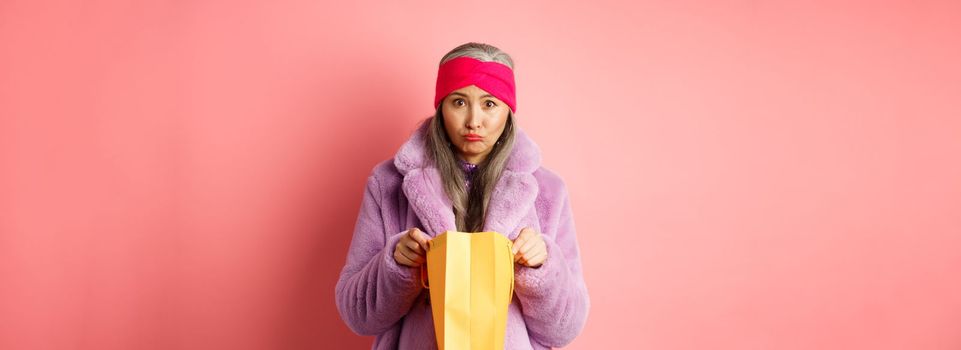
(470,209)
(483,52)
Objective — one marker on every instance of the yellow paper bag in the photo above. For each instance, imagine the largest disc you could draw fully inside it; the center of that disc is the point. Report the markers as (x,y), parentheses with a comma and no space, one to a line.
(471,282)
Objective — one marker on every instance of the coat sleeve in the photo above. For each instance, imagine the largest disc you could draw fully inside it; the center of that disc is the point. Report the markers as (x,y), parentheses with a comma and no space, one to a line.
(554,296)
(374,292)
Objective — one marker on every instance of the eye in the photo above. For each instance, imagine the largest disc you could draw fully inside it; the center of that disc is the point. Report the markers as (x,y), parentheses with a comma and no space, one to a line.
(458,102)
(491,103)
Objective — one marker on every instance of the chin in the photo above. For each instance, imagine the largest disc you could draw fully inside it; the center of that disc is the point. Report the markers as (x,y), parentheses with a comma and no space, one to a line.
(474,151)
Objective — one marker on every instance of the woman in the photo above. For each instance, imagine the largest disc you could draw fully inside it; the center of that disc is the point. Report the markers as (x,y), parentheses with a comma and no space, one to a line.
(468,168)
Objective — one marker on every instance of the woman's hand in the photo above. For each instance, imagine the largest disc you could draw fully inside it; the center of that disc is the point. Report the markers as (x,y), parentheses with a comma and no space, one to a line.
(411,250)
(529,248)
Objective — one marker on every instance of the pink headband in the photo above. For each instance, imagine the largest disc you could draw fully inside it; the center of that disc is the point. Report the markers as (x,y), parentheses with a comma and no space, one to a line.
(495,78)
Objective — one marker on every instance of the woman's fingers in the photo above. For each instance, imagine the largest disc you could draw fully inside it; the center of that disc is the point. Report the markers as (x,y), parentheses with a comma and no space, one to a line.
(409,250)
(412,258)
(534,259)
(526,241)
(530,249)
(530,245)
(537,259)
(523,250)
(414,246)
(522,239)
(401,259)
(419,236)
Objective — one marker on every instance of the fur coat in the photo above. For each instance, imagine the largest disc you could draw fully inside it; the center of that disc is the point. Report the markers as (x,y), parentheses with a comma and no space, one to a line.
(376,296)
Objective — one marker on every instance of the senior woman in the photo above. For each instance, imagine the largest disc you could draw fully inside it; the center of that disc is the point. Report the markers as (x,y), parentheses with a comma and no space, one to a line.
(467,168)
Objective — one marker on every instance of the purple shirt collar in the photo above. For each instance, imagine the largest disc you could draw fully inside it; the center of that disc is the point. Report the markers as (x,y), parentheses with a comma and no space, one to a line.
(468,167)
(469,170)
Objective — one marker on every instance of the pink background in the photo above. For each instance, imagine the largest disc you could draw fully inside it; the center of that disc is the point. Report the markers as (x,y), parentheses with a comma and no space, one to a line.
(745,175)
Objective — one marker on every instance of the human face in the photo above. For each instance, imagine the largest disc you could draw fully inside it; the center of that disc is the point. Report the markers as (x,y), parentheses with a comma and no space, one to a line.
(474,120)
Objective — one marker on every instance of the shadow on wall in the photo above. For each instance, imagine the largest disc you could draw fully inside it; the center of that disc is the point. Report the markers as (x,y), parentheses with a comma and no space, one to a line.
(347,154)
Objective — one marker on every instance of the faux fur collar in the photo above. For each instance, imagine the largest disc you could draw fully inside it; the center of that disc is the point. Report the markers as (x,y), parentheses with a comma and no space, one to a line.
(511,200)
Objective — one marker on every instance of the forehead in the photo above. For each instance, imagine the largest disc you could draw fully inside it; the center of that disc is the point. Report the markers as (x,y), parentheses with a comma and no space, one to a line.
(472,91)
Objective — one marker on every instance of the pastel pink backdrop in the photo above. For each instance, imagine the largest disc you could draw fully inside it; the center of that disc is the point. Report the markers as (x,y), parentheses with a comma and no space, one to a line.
(745,175)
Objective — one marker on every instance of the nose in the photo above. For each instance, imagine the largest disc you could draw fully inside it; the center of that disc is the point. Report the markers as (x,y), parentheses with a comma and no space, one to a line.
(474,116)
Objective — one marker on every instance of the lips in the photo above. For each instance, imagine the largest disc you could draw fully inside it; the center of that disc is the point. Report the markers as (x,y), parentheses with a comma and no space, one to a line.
(473,137)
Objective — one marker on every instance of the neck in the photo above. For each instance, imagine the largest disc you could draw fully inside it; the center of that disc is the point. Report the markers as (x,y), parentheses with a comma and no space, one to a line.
(473,159)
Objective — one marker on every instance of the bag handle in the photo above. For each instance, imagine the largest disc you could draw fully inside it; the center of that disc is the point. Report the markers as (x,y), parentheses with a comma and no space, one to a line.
(423,276)
(423,267)
(510,247)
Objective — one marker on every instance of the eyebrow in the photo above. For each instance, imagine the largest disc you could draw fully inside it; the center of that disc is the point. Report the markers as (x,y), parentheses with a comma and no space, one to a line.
(482,96)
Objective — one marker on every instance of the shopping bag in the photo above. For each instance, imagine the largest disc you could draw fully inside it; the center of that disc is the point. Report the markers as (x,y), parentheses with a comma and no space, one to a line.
(471,282)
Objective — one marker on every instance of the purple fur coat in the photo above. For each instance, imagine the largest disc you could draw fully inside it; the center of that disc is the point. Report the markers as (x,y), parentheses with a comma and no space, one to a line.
(377,296)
